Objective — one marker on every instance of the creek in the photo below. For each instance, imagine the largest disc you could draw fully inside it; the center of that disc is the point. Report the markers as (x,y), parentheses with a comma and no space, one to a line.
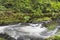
(28,31)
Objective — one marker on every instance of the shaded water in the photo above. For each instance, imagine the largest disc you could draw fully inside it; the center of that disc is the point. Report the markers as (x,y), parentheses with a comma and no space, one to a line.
(28,31)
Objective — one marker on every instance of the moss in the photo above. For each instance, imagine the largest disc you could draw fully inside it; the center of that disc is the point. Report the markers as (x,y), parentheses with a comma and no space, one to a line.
(41,19)
(52,25)
(2,39)
(54,38)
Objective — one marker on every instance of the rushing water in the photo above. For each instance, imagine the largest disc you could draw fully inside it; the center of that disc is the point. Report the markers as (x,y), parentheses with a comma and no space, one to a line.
(28,31)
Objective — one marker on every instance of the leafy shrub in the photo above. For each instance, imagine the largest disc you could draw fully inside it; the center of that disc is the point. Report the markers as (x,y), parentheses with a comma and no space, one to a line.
(28,10)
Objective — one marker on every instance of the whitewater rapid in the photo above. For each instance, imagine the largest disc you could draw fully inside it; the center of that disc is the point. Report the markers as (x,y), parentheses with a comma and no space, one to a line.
(27,31)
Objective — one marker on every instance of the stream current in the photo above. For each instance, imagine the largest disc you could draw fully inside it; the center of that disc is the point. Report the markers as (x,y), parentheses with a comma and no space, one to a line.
(28,31)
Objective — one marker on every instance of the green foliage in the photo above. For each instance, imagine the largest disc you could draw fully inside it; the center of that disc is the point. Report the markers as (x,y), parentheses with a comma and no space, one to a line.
(2,39)
(28,10)
(2,8)
(54,38)
(35,20)
(51,25)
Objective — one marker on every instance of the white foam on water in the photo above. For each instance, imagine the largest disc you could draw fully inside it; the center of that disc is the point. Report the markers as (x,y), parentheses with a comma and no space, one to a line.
(33,30)
(27,30)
